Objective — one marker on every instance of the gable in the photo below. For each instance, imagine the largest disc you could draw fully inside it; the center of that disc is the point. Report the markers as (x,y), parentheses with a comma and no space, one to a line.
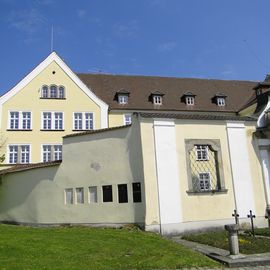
(42,74)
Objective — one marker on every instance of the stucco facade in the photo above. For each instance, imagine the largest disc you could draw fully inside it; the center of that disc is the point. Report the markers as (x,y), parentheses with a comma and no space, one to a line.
(129,155)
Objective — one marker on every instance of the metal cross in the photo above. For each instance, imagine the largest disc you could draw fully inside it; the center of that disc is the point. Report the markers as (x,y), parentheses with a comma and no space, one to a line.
(236,216)
(251,216)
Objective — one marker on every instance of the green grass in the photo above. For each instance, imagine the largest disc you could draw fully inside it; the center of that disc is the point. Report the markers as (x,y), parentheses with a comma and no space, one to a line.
(247,243)
(263,231)
(91,248)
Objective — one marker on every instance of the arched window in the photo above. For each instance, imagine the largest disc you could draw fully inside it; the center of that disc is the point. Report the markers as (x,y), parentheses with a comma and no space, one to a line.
(53,91)
(61,92)
(45,92)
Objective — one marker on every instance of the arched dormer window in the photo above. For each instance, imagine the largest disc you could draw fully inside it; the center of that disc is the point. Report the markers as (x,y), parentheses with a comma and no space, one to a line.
(45,91)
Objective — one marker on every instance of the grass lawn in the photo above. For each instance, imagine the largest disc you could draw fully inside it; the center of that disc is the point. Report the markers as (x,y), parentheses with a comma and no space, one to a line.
(91,248)
(247,243)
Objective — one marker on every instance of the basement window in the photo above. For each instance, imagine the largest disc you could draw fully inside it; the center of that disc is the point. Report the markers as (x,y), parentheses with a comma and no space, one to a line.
(107,193)
(69,196)
(122,193)
(136,190)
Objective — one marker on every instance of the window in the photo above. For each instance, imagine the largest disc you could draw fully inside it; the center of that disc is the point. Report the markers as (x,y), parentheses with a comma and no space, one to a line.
(13,154)
(53,121)
(157,100)
(61,92)
(19,154)
(204,166)
(19,120)
(122,193)
(53,91)
(190,100)
(127,119)
(204,181)
(202,152)
(51,152)
(107,193)
(136,189)
(45,92)
(93,194)
(221,101)
(58,120)
(122,99)
(69,195)
(83,121)
(79,195)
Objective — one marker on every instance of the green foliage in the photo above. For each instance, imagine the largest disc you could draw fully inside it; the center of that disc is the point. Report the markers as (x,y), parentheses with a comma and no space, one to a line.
(91,248)
(247,243)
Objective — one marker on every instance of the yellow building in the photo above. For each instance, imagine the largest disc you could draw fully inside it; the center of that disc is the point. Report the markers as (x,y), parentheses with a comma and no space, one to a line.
(190,158)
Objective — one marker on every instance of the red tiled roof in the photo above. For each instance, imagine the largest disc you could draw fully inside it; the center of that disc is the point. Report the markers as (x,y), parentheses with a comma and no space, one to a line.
(140,87)
(24,167)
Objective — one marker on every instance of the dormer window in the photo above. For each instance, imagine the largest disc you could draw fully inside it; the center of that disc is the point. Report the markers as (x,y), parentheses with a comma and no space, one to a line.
(188,98)
(53,91)
(219,99)
(156,98)
(122,97)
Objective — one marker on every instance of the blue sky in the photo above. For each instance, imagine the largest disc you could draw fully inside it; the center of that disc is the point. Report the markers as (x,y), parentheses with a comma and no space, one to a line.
(182,38)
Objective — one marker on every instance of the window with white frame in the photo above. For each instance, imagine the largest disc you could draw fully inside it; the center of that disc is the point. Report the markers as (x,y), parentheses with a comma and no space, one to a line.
(204,181)
(83,121)
(221,101)
(51,152)
(45,91)
(157,99)
(190,100)
(53,91)
(58,120)
(52,120)
(93,197)
(122,99)
(19,120)
(201,152)
(127,119)
(69,196)
(79,195)
(19,154)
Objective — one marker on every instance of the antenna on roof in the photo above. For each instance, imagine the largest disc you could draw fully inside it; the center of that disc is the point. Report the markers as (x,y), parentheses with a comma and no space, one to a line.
(52,39)
(255,55)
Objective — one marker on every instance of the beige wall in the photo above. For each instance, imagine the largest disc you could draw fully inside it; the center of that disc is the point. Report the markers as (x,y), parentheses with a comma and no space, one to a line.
(109,158)
(198,207)
(28,99)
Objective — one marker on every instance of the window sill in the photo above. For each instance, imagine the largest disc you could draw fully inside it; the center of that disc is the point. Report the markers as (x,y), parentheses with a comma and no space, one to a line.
(52,98)
(9,129)
(52,130)
(80,130)
(207,192)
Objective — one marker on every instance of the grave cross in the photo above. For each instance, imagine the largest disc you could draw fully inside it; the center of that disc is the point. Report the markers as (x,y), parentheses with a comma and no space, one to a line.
(251,216)
(236,216)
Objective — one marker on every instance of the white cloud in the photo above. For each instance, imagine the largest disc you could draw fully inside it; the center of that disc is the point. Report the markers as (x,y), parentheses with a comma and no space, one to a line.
(166,46)
(130,29)
(81,13)
(27,21)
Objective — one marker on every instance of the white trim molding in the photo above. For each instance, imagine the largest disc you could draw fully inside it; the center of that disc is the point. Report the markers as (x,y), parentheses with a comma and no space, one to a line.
(240,165)
(168,180)
(53,57)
